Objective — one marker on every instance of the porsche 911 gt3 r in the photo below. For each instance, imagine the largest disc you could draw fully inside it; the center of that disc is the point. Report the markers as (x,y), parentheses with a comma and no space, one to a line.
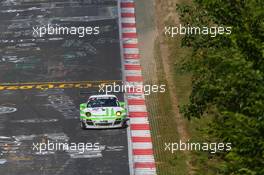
(103,111)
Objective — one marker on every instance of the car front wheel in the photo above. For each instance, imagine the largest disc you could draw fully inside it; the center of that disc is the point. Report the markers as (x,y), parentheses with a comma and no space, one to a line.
(83,125)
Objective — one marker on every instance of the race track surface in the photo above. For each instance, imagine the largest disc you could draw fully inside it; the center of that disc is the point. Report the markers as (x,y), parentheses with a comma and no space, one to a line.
(29,115)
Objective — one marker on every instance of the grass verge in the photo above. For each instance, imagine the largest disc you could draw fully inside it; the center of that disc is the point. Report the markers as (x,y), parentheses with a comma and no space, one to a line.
(163,125)
(201,162)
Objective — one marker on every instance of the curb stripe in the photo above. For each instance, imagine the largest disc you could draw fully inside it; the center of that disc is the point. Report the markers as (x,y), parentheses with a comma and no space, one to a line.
(131,56)
(140,127)
(128,20)
(138,114)
(142,151)
(127,4)
(135,96)
(134,91)
(134,78)
(139,120)
(127,10)
(145,165)
(133,73)
(144,158)
(132,67)
(141,139)
(129,30)
(140,143)
(128,25)
(133,61)
(141,108)
(130,45)
(128,15)
(131,50)
(136,102)
(140,133)
(130,41)
(129,35)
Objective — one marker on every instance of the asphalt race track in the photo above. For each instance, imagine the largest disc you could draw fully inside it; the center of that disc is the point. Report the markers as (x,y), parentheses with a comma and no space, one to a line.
(29,115)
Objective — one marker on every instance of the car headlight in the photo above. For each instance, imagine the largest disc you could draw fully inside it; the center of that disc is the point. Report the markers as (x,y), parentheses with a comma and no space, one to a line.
(118,113)
(88,114)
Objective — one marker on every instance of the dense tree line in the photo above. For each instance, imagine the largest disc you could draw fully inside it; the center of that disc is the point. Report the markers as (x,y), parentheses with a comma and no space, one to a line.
(228,78)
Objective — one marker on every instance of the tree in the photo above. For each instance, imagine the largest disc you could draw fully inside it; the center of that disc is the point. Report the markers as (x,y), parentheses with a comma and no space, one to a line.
(228,77)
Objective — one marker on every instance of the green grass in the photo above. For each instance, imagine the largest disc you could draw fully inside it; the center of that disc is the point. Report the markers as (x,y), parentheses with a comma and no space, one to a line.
(164,128)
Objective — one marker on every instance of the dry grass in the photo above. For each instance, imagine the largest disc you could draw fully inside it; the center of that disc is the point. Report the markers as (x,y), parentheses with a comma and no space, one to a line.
(165,125)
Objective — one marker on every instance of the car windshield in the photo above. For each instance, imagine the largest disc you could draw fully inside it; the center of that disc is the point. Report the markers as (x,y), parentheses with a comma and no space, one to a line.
(102,102)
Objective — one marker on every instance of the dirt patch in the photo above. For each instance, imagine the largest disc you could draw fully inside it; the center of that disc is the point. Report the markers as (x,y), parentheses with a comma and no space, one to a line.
(166,10)
(161,10)
(151,28)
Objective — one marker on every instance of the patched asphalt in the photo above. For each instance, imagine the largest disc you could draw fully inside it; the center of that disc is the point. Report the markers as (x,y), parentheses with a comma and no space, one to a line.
(37,116)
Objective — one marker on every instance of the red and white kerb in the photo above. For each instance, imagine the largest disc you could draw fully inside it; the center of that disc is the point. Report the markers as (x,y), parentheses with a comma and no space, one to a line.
(141,143)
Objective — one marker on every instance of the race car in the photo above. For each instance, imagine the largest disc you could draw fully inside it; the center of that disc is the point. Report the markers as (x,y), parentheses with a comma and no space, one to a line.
(103,111)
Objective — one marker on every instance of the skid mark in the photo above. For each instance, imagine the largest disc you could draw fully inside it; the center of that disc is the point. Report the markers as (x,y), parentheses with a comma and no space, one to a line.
(59,137)
(65,105)
(115,148)
(35,121)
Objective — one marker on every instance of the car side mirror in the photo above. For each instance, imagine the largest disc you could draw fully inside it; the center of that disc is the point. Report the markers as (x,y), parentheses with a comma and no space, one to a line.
(83,106)
(122,104)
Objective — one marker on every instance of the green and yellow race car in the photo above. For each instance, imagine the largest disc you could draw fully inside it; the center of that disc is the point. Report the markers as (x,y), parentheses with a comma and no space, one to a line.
(103,111)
